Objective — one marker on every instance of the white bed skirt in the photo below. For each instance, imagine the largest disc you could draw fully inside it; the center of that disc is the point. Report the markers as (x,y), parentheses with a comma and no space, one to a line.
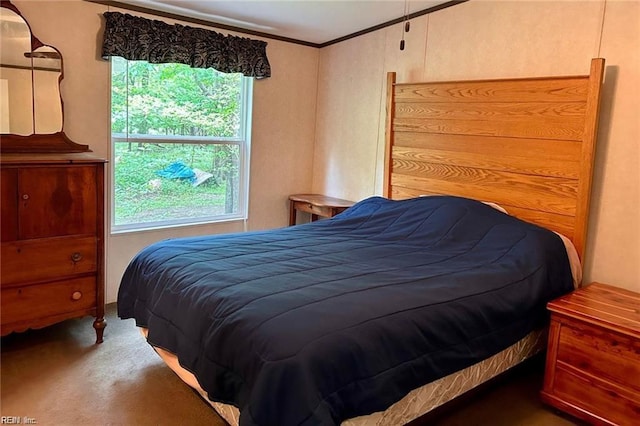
(417,402)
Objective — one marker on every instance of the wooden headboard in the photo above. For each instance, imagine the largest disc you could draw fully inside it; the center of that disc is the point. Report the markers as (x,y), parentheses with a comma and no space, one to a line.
(526,144)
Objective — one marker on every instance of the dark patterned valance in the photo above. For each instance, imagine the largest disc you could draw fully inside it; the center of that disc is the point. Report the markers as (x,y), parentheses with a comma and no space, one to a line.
(136,38)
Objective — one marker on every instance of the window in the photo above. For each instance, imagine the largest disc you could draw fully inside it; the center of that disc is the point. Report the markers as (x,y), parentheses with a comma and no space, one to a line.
(180,140)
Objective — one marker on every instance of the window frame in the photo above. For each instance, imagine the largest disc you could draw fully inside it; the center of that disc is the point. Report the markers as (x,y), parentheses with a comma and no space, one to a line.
(243,141)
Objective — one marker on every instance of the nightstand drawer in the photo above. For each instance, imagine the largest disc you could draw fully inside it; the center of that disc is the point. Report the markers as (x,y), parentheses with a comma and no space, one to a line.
(598,397)
(602,353)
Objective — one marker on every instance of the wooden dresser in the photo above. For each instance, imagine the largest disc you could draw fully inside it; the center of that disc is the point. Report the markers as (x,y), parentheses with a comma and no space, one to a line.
(52,258)
(593,357)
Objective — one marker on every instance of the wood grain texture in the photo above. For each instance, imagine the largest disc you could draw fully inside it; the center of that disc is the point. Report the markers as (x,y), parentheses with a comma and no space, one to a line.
(601,400)
(316,205)
(491,110)
(552,350)
(593,361)
(588,152)
(553,195)
(50,195)
(9,219)
(388,132)
(51,257)
(505,163)
(35,304)
(526,144)
(615,359)
(603,305)
(559,89)
(554,129)
(52,264)
(563,151)
(321,200)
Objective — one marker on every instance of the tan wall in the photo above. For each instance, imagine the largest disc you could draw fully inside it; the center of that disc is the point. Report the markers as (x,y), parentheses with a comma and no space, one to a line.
(477,39)
(283,120)
(495,39)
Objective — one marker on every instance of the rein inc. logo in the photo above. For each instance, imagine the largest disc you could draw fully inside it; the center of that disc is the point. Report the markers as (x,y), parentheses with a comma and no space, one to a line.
(17,420)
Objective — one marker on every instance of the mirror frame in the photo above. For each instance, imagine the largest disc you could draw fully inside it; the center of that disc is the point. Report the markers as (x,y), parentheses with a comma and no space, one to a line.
(39,143)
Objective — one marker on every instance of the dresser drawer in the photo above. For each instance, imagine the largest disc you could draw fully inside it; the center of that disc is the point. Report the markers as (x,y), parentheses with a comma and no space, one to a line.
(37,302)
(43,259)
(600,352)
(597,397)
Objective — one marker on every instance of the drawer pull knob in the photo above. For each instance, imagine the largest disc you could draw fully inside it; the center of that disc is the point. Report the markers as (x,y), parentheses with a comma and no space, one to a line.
(76,257)
(76,295)
(25,196)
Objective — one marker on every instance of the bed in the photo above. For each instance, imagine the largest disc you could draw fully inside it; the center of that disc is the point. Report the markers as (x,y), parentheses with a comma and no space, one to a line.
(402,302)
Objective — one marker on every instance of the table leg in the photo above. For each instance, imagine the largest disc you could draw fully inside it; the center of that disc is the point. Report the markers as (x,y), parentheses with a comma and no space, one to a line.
(292,214)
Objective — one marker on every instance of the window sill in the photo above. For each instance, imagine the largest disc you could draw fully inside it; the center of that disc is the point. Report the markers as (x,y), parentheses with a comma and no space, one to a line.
(161,227)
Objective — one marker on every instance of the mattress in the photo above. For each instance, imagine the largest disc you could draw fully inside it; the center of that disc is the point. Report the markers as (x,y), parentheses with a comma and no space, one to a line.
(397,294)
(425,398)
(417,402)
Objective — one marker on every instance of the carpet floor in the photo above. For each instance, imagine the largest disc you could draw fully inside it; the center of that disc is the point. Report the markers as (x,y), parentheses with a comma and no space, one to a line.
(58,376)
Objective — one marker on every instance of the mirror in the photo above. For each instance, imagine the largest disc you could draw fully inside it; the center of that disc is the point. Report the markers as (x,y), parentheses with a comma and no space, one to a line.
(30,100)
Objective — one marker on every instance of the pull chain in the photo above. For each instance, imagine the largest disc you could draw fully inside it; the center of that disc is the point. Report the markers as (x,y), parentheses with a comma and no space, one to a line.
(407,24)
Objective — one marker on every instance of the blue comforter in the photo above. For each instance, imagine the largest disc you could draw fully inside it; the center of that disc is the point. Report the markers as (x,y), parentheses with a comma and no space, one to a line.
(318,323)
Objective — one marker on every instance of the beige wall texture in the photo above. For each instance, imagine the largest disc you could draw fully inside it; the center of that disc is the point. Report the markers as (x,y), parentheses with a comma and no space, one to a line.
(283,120)
(318,123)
(496,39)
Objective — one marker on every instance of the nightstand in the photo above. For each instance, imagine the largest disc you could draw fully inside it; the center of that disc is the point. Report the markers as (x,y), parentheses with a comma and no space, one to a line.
(593,356)
(316,205)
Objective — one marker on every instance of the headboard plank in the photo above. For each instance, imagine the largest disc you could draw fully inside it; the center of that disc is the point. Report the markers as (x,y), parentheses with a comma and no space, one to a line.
(526,144)
(506,162)
(546,89)
(481,111)
(548,128)
(491,146)
(553,195)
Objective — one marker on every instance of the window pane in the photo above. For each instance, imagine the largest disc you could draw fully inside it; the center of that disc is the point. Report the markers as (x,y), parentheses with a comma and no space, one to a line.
(174,99)
(180,144)
(168,182)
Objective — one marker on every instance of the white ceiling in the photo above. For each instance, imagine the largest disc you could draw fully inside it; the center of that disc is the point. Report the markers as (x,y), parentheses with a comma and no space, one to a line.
(313,21)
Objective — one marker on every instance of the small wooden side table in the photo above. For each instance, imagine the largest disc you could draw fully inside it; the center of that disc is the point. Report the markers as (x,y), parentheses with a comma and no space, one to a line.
(593,356)
(317,205)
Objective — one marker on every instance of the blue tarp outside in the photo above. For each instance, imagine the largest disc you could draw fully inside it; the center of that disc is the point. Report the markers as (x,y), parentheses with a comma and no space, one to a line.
(178,170)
